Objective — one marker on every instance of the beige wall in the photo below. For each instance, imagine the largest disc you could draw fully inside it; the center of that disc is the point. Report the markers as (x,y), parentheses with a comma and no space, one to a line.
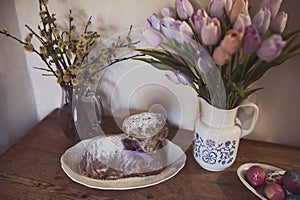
(279,120)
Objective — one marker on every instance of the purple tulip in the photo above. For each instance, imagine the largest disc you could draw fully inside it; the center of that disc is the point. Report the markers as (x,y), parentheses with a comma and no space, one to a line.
(278,23)
(242,22)
(152,37)
(184,9)
(165,26)
(184,79)
(251,39)
(216,7)
(177,77)
(198,20)
(271,48)
(171,76)
(203,61)
(168,12)
(262,20)
(154,21)
(273,5)
(182,32)
(211,31)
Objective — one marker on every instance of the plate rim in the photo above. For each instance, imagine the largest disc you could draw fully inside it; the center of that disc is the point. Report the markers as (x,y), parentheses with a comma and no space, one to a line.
(245,166)
(80,179)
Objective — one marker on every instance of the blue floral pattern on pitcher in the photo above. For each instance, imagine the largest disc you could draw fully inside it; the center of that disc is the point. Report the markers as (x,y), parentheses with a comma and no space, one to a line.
(211,152)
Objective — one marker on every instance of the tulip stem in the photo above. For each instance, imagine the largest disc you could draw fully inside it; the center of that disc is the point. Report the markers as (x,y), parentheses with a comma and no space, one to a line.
(252,72)
(229,72)
(245,61)
(210,49)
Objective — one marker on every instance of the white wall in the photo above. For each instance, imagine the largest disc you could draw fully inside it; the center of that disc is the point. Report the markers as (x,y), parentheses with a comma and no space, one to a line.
(109,17)
(17,104)
(278,102)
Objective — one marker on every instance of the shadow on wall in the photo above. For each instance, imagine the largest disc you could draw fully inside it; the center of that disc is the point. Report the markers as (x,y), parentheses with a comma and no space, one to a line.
(17,105)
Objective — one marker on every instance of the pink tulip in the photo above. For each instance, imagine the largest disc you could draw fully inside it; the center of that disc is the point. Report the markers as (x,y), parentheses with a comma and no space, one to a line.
(278,23)
(184,9)
(251,39)
(165,26)
(271,48)
(178,77)
(152,37)
(232,41)
(216,7)
(182,32)
(220,56)
(273,5)
(262,20)
(211,31)
(154,21)
(198,20)
(242,22)
(238,6)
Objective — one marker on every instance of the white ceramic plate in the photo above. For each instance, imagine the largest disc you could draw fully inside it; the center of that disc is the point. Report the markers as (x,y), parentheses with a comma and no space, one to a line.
(70,164)
(241,172)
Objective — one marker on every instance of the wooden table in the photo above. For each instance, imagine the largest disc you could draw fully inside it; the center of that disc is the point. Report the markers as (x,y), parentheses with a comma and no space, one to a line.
(31,170)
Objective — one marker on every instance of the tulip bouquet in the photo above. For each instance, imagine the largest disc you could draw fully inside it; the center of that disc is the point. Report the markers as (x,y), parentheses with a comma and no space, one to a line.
(189,44)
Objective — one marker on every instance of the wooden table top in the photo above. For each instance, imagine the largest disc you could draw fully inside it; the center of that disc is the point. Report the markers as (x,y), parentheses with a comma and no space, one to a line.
(31,170)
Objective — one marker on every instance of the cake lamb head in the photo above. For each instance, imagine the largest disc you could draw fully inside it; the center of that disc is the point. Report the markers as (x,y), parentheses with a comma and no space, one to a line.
(146,130)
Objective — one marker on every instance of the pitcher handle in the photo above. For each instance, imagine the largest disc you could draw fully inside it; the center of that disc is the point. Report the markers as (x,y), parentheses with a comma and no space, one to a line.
(254,118)
(91,95)
(98,107)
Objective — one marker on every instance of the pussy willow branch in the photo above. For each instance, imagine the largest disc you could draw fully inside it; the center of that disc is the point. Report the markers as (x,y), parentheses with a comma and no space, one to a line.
(70,24)
(50,17)
(87,24)
(36,35)
(122,59)
(20,41)
(34,50)
(13,37)
(130,29)
(50,45)
(41,68)
(51,22)
(44,24)
(113,62)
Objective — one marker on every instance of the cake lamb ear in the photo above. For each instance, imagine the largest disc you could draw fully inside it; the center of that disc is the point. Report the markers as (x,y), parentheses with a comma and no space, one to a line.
(163,133)
(155,142)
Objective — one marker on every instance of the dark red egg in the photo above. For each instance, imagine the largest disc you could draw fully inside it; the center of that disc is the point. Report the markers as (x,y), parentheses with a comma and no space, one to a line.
(255,175)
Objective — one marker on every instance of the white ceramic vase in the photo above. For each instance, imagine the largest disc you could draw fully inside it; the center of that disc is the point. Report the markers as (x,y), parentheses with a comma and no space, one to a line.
(217,135)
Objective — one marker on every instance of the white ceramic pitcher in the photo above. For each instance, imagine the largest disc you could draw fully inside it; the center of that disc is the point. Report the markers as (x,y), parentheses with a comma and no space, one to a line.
(217,135)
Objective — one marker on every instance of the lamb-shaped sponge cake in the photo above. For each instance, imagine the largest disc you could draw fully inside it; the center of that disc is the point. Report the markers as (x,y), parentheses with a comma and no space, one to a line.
(146,131)
(137,153)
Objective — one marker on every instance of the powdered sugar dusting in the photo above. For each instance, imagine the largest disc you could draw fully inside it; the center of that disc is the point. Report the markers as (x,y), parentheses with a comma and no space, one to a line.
(104,155)
(144,125)
(104,148)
